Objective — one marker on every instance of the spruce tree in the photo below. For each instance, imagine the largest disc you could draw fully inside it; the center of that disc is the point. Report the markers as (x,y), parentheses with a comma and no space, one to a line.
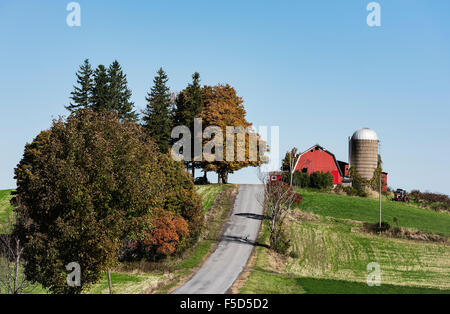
(82,94)
(188,107)
(119,93)
(100,92)
(158,119)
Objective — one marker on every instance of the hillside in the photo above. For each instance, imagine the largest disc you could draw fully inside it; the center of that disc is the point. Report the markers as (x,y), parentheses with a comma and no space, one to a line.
(367,210)
(330,252)
(5,206)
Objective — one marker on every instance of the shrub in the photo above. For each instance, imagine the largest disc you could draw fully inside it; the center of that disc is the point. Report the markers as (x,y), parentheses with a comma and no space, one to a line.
(435,201)
(281,243)
(321,180)
(375,227)
(301,179)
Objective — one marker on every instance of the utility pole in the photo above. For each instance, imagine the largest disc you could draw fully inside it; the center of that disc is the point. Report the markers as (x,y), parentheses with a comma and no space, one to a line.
(379,192)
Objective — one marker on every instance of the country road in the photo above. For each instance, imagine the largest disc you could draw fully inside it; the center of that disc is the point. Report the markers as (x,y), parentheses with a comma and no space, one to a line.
(225,264)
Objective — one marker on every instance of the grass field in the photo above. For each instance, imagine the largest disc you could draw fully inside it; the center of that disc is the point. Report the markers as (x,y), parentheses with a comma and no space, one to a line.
(366,210)
(330,255)
(208,193)
(5,206)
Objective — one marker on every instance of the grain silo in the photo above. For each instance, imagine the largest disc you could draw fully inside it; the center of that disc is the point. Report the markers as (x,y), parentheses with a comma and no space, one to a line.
(363,152)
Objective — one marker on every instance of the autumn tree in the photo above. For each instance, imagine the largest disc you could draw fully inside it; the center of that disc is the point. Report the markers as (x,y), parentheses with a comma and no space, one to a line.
(88,183)
(230,134)
(289,158)
(188,107)
(289,161)
(158,115)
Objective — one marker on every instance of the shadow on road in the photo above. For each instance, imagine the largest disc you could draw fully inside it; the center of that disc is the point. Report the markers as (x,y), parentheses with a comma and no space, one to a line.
(242,240)
(252,216)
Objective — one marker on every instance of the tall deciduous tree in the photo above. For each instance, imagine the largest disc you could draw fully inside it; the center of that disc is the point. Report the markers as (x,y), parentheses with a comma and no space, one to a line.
(82,94)
(158,115)
(188,107)
(223,108)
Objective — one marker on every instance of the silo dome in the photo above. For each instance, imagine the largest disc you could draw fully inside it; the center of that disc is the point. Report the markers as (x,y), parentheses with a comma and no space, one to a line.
(365,134)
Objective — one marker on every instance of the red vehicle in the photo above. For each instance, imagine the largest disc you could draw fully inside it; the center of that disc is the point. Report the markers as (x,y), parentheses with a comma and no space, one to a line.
(400,196)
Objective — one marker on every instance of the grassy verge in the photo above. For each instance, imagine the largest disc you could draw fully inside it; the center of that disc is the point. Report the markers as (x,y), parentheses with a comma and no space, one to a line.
(208,194)
(330,255)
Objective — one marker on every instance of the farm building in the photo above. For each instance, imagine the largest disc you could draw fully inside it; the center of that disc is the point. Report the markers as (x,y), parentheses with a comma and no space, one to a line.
(317,158)
(363,156)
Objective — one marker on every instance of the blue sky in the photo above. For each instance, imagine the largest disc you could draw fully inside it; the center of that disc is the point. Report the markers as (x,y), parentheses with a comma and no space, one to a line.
(314,68)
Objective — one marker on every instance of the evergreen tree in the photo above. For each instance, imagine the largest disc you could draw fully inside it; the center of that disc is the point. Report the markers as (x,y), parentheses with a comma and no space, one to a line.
(82,94)
(119,93)
(188,107)
(100,92)
(158,119)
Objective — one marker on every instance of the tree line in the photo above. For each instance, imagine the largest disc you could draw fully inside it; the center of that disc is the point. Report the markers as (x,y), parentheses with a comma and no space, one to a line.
(105,90)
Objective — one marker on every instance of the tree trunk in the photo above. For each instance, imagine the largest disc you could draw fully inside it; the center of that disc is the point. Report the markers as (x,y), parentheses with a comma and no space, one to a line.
(110,283)
(16,268)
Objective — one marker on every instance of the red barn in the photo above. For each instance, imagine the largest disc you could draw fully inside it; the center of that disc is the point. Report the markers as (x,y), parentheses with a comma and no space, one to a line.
(317,159)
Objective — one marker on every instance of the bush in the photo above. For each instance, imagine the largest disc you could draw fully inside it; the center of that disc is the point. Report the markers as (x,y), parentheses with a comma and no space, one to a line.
(282,243)
(321,180)
(317,180)
(435,201)
(375,227)
(301,179)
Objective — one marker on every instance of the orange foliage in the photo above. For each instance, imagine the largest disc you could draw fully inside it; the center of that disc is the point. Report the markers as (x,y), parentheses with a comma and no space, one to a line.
(168,229)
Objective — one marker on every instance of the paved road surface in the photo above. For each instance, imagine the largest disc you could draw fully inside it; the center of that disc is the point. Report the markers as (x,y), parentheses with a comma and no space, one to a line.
(225,264)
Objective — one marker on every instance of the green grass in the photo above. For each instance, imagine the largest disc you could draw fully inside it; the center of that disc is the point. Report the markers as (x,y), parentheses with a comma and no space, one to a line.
(208,194)
(265,282)
(125,283)
(367,210)
(5,206)
(331,255)
(197,255)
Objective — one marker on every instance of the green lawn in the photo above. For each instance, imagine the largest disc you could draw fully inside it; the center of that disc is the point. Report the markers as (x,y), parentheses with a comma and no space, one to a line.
(5,206)
(124,283)
(366,210)
(208,193)
(265,282)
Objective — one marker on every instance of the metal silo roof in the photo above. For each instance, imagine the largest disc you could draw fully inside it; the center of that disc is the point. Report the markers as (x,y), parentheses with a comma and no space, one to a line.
(365,134)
